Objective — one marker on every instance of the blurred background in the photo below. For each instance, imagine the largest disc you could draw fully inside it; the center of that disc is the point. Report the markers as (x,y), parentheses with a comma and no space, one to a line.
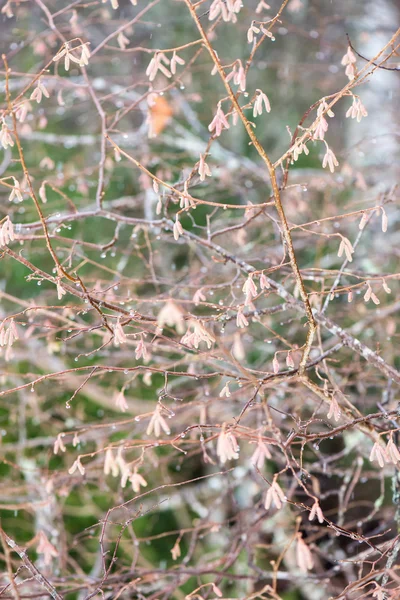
(215,529)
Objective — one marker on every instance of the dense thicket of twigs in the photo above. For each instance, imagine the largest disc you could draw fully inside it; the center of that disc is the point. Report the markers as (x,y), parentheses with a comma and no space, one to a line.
(199,300)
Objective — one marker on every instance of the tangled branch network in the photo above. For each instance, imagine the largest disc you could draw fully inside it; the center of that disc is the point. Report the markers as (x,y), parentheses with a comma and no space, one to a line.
(199,304)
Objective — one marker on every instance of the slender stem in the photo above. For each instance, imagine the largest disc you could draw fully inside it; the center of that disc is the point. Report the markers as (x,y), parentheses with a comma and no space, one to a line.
(312,325)
(60,268)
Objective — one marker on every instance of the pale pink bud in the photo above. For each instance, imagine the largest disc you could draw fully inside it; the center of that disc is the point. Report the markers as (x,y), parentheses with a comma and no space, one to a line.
(39,92)
(6,232)
(227,447)
(357,110)
(7,10)
(262,6)
(203,169)
(241,320)
(120,402)
(349,61)
(303,555)
(384,221)
(58,444)
(260,102)
(334,409)
(298,149)
(274,496)
(157,422)
(46,548)
(60,99)
(260,454)
(60,290)
(239,77)
(251,31)
(119,335)
(392,451)
(141,351)
(47,163)
(219,122)
(177,228)
(198,296)
(349,57)
(369,295)
(289,360)
(346,247)
(137,480)
(22,110)
(320,130)
(42,192)
(378,453)
(176,550)
(250,290)
(77,465)
(195,334)
(110,465)
(5,137)
(330,160)
(172,315)
(175,60)
(264,283)
(364,220)
(122,40)
(316,512)
(216,590)
(225,391)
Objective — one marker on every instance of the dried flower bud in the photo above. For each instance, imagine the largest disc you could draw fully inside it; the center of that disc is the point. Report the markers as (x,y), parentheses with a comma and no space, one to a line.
(157,423)
(379,454)
(119,334)
(137,480)
(203,168)
(346,247)
(334,409)
(225,391)
(227,446)
(219,122)
(316,512)
(330,160)
(6,232)
(177,228)
(120,401)
(260,454)
(260,102)
(303,555)
(275,496)
(77,465)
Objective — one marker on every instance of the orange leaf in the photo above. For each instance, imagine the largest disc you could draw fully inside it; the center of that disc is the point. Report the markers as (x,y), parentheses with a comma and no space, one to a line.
(160,114)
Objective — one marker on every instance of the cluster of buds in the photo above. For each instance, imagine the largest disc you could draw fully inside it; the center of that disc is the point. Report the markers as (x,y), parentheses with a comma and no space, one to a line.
(197,333)
(238,74)
(8,335)
(219,122)
(5,136)
(6,232)
(349,61)
(261,102)
(357,110)
(157,423)
(388,454)
(67,53)
(227,9)
(322,124)
(227,446)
